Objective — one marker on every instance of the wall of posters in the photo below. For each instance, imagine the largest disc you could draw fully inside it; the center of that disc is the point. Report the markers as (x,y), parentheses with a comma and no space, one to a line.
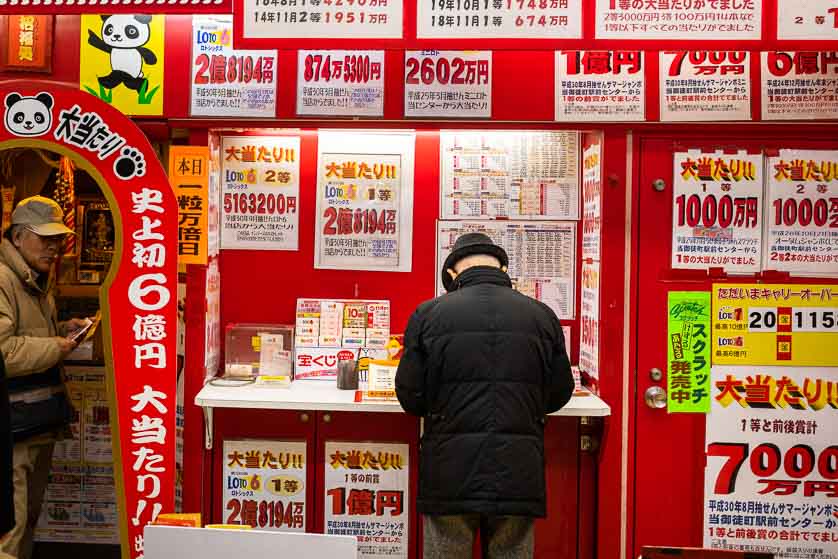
(364,201)
(509,174)
(542,257)
(600,86)
(340,82)
(264,484)
(260,189)
(809,20)
(448,84)
(705,85)
(367,495)
(802,210)
(132,83)
(589,319)
(717,211)
(764,324)
(688,352)
(225,80)
(592,202)
(800,85)
(518,19)
(735,20)
(329,20)
(771,461)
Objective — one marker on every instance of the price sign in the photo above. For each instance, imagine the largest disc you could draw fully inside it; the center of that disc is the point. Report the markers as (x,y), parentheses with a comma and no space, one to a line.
(596,86)
(810,20)
(499,19)
(322,19)
(340,82)
(814,94)
(448,84)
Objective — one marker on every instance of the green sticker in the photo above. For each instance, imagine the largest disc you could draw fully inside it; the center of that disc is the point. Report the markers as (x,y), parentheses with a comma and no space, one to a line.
(688,352)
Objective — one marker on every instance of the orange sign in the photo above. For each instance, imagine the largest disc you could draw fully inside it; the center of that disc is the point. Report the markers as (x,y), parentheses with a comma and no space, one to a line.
(189,176)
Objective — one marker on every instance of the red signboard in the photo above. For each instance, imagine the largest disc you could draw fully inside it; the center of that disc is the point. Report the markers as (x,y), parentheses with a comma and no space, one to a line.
(186,7)
(28,43)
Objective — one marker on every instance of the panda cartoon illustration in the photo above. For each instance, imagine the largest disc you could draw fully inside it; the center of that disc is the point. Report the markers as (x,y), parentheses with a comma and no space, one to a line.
(123,37)
(28,116)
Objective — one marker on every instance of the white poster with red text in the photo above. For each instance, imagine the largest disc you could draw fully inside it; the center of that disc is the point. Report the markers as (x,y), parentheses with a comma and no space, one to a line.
(809,20)
(448,84)
(600,86)
(340,83)
(799,85)
(505,19)
(592,202)
(589,319)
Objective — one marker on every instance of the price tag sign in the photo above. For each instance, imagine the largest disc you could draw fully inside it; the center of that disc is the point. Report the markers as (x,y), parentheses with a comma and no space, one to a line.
(323,19)
(597,86)
(808,21)
(800,85)
(448,84)
(340,83)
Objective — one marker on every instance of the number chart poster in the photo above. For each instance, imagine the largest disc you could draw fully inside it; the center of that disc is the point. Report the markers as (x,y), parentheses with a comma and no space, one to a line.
(802,205)
(762,324)
(265,484)
(364,201)
(260,192)
(717,211)
(771,479)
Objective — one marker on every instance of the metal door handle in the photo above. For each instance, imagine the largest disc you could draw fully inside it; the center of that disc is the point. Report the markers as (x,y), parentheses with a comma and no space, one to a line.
(655,397)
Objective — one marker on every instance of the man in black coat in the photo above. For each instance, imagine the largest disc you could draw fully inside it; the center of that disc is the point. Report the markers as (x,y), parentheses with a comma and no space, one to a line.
(483,365)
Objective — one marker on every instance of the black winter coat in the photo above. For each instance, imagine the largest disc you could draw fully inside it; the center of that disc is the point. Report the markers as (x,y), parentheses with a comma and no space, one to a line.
(483,364)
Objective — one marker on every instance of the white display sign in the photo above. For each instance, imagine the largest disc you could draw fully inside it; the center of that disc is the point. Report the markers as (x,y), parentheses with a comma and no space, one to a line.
(542,257)
(260,189)
(329,19)
(592,202)
(448,84)
(800,85)
(264,484)
(600,86)
(367,495)
(802,213)
(506,19)
(807,20)
(733,20)
(717,211)
(770,479)
(589,320)
(364,201)
(226,81)
(705,85)
(509,174)
(340,82)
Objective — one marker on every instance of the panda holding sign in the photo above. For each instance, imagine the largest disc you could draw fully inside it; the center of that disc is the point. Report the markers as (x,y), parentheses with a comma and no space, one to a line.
(123,37)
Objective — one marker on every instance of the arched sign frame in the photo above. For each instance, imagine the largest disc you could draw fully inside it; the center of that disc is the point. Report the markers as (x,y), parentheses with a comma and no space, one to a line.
(139,296)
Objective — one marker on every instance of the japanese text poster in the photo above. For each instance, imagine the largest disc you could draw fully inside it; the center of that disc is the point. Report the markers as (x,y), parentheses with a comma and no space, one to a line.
(212,320)
(121,61)
(770,479)
(688,352)
(802,231)
(734,20)
(592,202)
(810,20)
(589,319)
(373,19)
(600,86)
(509,19)
(542,257)
(799,85)
(506,174)
(28,47)
(214,191)
(763,324)
(705,85)
(188,174)
(226,81)
(340,82)
(265,484)
(448,84)
(717,211)
(367,488)
(260,192)
(364,201)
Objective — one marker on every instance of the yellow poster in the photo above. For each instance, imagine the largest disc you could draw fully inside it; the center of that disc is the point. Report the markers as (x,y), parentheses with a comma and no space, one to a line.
(760,324)
(121,61)
(189,177)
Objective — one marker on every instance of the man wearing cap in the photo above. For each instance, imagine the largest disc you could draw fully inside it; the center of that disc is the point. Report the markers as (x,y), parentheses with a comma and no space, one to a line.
(483,365)
(33,345)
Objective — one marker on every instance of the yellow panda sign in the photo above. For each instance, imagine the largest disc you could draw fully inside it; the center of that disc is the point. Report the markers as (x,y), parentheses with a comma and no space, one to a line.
(121,61)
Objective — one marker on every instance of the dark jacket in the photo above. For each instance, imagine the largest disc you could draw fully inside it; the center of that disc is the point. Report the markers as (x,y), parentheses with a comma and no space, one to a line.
(483,364)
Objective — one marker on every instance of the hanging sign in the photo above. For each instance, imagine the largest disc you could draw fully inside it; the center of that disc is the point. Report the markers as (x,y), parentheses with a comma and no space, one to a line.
(188,174)
(367,495)
(770,480)
(340,83)
(800,85)
(811,20)
(29,43)
(506,19)
(260,191)
(448,84)
(589,320)
(705,85)
(226,80)
(802,232)
(732,20)
(600,86)
(717,211)
(688,352)
(592,202)
(762,324)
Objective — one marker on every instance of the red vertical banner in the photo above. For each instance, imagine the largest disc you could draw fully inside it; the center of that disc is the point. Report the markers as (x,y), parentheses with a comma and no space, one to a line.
(28,43)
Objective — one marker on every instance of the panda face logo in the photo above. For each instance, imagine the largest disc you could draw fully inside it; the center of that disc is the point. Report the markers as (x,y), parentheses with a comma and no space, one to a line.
(125,31)
(28,116)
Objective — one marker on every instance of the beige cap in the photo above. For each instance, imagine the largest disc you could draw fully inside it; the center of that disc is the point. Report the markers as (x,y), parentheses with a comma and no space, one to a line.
(41,215)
